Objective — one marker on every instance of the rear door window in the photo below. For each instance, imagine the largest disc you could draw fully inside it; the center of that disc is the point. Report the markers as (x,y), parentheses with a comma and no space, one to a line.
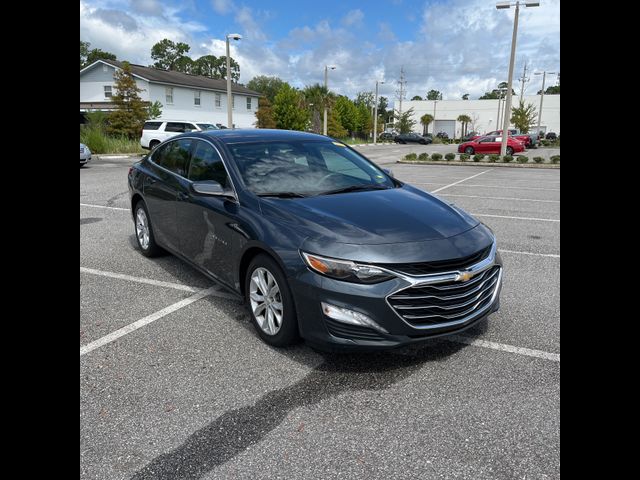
(151,125)
(177,127)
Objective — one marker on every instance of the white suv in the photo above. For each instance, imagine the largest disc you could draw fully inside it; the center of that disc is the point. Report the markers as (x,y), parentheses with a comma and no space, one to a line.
(155,132)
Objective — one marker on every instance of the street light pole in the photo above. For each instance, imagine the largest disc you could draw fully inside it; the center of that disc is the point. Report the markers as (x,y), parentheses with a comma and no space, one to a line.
(544,76)
(375,116)
(507,106)
(235,36)
(326,69)
(434,115)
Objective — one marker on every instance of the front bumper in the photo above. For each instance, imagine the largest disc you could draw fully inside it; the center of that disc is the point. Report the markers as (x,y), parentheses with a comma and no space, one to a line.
(84,159)
(310,289)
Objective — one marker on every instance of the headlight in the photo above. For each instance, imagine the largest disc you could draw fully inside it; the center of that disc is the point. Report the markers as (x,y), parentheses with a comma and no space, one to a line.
(345,269)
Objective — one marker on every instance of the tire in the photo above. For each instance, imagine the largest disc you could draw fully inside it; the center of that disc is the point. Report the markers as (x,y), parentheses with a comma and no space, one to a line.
(153,144)
(509,151)
(286,333)
(469,150)
(149,248)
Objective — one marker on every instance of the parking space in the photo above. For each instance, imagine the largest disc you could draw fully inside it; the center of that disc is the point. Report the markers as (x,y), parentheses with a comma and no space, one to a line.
(176,384)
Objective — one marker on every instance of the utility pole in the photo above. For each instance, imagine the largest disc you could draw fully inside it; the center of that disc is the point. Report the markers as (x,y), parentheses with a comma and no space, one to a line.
(523,79)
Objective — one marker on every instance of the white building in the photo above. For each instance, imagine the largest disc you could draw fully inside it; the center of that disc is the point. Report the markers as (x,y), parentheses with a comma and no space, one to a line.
(483,112)
(183,96)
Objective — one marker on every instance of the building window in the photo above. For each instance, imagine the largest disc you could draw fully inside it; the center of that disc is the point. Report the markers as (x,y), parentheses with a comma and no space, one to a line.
(196,98)
(248,103)
(105,68)
(218,104)
(107,91)
(168,94)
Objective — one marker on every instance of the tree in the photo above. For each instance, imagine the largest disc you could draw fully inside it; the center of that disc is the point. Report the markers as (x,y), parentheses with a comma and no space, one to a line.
(434,95)
(404,122)
(268,86)
(97,54)
(464,119)
(206,65)
(264,114)
(154,110)
(222,68)
(131,111)
(416,97)
(334,126)
(348,113)
(552,90)
(425,120)
(184,65)
(524,116)
(383,103)
(84,51)
(167,53)
(497,93)
(365,122)
(288,110)
(364,98)
(316,98)
(465,96)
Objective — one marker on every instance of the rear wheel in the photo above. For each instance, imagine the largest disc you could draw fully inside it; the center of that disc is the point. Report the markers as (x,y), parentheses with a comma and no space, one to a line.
(153,144)
(144,232)
(270,302)
(468,150)
(509,151)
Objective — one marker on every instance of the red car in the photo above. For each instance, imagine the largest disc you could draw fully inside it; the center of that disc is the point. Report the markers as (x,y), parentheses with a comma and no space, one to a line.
(490,144)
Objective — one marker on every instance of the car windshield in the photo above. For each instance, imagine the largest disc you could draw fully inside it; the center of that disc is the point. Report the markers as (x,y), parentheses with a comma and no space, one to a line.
(298,168)
(207,126)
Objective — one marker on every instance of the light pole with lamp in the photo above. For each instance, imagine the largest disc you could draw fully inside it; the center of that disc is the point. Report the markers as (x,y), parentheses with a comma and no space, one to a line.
(544,76)
(326,69)
(507,106)
(235,36)
(375,115)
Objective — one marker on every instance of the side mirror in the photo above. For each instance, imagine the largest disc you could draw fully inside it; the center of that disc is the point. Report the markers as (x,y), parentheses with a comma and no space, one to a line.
(389,172)
(211,187)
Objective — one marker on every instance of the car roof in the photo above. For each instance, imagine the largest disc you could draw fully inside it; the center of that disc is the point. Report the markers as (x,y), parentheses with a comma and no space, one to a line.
(160,120)
(242,135)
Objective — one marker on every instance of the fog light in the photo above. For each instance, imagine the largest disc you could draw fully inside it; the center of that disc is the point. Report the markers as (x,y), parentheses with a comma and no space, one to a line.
(345,315)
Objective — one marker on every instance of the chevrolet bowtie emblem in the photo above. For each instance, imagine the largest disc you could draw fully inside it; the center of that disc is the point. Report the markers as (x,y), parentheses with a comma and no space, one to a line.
(464,276)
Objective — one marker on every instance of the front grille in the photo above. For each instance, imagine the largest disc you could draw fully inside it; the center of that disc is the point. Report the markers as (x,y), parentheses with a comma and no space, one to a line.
(354,332)
(423,268)
(445,302)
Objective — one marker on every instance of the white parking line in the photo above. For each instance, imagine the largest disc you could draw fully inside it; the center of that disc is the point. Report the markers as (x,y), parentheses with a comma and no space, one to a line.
(555,357)
(144,321)
(500,198)
(148,281)
(478,185)
(459,181)
(551,255)
(103,206)
(517,218)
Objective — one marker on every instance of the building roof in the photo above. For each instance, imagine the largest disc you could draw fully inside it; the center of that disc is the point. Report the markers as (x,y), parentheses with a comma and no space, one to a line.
(155,75)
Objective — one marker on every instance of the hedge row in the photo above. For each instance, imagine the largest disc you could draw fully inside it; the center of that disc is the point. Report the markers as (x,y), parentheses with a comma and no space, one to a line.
(478,157)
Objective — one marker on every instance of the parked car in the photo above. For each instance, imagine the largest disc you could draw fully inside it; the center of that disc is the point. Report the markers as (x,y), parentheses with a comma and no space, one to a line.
(428,135)
(470,136)
(443,135)
(386,136)
(156,131)
(321,242)
(529,140)
(551,136)
(85,155)
(412,138)
(490,144)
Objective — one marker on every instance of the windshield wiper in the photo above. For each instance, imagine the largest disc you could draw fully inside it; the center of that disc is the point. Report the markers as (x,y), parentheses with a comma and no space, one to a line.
(281,194)
(354,188)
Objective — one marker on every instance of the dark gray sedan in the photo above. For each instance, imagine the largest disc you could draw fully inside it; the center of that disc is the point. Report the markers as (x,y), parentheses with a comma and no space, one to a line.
(412,138)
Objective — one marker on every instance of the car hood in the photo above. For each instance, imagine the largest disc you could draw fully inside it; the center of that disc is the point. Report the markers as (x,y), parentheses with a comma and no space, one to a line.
(378,217)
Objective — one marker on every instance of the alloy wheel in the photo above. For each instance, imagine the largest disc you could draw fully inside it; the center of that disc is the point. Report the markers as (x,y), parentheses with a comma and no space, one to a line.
(266,301)
(142,228)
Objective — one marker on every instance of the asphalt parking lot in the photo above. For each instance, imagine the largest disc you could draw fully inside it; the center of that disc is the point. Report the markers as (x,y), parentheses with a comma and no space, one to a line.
(175,384)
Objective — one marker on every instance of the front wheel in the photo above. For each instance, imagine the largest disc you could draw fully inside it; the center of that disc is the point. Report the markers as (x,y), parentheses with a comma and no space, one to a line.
(509,151)
(270,302)
(144,233)
(468,150)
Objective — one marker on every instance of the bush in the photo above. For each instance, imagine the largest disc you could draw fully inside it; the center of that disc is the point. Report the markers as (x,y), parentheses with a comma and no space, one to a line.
(544,143)
(450,156)
(464,157)
(436,140)
(436,157)
(423,156)
(99,142)
(507,158)
(494,157)
(555,159)
(410,156)
(538,159)
(478,157)
(522,159)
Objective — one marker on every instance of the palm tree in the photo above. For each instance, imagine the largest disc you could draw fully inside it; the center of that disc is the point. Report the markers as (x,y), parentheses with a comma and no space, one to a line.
(464,119)
(425,120)
(316,98)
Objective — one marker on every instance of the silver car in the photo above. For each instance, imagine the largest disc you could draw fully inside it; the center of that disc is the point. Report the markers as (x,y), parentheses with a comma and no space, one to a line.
(85,154)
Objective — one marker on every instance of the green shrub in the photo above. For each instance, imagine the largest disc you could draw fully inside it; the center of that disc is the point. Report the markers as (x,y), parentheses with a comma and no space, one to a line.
(544,143)
(99,142)
(555,159)
(522,159)
(538,159)
(494,157)
(478,157)
(450,156)
(464,157)
(436,157)
(507,158)
(424,156)
(436,140)
(410,156)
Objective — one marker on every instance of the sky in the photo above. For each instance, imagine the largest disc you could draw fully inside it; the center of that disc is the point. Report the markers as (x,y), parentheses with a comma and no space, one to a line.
(454,46)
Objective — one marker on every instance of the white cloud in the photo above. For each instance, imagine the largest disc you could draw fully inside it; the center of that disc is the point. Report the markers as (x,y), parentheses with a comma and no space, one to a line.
(246,18)
(148,7)
(353,18)
(222,6)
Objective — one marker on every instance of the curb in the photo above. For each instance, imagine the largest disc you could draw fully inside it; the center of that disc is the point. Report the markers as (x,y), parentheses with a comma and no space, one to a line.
(485,164)
(118,156)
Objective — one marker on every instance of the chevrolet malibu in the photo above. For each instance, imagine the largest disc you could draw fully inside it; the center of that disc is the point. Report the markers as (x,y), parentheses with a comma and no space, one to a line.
(321,243)
(490,144)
